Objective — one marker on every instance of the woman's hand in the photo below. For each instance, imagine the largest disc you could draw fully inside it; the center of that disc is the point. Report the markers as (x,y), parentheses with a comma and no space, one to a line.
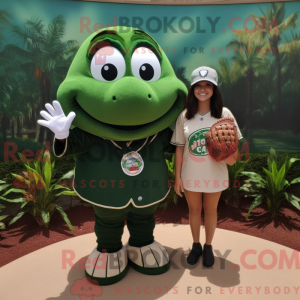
(178,186)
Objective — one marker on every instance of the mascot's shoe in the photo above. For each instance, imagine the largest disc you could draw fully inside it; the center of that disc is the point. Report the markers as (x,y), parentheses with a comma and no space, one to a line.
(107,268)
(152,259)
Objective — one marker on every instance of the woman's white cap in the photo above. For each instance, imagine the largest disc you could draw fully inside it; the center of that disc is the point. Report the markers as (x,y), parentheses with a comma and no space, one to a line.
(204,73)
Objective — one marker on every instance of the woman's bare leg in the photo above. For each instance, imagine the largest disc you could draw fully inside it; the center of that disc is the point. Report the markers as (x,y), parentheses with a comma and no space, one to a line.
(194,200)
(210,204)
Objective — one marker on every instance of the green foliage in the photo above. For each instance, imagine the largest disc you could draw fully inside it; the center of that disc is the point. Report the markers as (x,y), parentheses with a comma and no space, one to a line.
(21,144)
(180,74)
(63,164)
(272,184)
(39,190)
(38,61)
(2,187)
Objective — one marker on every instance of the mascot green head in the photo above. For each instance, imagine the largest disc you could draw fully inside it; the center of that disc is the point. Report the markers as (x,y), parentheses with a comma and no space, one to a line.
(122,86)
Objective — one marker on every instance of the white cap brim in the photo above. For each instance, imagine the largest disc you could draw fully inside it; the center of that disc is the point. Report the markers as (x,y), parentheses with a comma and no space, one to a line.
(205,79)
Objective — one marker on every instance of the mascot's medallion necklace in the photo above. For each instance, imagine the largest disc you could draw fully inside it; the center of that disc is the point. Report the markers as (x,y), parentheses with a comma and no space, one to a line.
(132,162)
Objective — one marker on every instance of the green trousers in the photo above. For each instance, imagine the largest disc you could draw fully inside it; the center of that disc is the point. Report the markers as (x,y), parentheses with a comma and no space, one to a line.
(109,226)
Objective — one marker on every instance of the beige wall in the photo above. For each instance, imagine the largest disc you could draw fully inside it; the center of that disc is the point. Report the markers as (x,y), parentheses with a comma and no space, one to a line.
(187,2)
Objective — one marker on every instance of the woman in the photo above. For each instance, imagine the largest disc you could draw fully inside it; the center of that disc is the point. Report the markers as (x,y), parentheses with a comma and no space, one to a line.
(196,173)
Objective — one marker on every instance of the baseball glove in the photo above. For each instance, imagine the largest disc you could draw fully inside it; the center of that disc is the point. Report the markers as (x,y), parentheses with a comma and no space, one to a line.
(222,139)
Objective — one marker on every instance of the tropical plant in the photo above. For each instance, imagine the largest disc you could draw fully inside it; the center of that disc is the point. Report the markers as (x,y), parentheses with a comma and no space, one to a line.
(180,74)
(227,77)
(275,15)
(271,187)
(2,187)
(292,49)
(4,15)
(265,104)
(2,225)
(4,19)
(13,105)
(248,62)
(39,190)
(231,194)
(231,84)
(5,91)
(46,56)
(4,61)
(13,108)
(265,95)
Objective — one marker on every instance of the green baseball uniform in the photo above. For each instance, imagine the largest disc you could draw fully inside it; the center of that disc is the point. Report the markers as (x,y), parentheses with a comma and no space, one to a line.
(99,177)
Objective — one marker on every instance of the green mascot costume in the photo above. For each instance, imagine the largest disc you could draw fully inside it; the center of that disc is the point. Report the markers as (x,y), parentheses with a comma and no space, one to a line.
(122,95)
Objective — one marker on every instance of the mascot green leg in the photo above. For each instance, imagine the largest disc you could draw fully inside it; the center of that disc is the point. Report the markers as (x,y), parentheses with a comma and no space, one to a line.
(108,263)
(145,255)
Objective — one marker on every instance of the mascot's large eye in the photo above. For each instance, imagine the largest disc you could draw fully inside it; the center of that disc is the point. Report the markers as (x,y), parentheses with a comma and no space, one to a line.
(108,64)
(145,65)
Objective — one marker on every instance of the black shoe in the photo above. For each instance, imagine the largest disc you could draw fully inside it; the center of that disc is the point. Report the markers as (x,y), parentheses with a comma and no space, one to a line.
(208,256)
(195,253)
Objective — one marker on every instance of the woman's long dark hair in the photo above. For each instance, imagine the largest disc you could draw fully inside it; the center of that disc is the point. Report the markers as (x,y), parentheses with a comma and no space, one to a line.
(216,103)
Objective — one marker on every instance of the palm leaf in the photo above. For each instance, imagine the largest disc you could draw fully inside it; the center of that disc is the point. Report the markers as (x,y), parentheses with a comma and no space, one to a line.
(274,169)
(3,217)
(3,187)
(289,22)
(18,53)
(70,193)
(257,201)
(65,217)
(47,172)
(24,204)
(17,217)
(279,180)
(291,161)
(296,180)
(252,175)
(37,167)
(13,200)
(292,199)
(46,217)
(67,175)
(4,15)
(13,191)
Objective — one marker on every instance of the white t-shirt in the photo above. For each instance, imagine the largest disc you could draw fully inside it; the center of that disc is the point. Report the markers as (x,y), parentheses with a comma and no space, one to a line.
(199,172)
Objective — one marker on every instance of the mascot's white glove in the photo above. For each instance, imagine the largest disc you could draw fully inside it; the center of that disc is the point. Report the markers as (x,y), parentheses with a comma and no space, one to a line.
(57,120)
